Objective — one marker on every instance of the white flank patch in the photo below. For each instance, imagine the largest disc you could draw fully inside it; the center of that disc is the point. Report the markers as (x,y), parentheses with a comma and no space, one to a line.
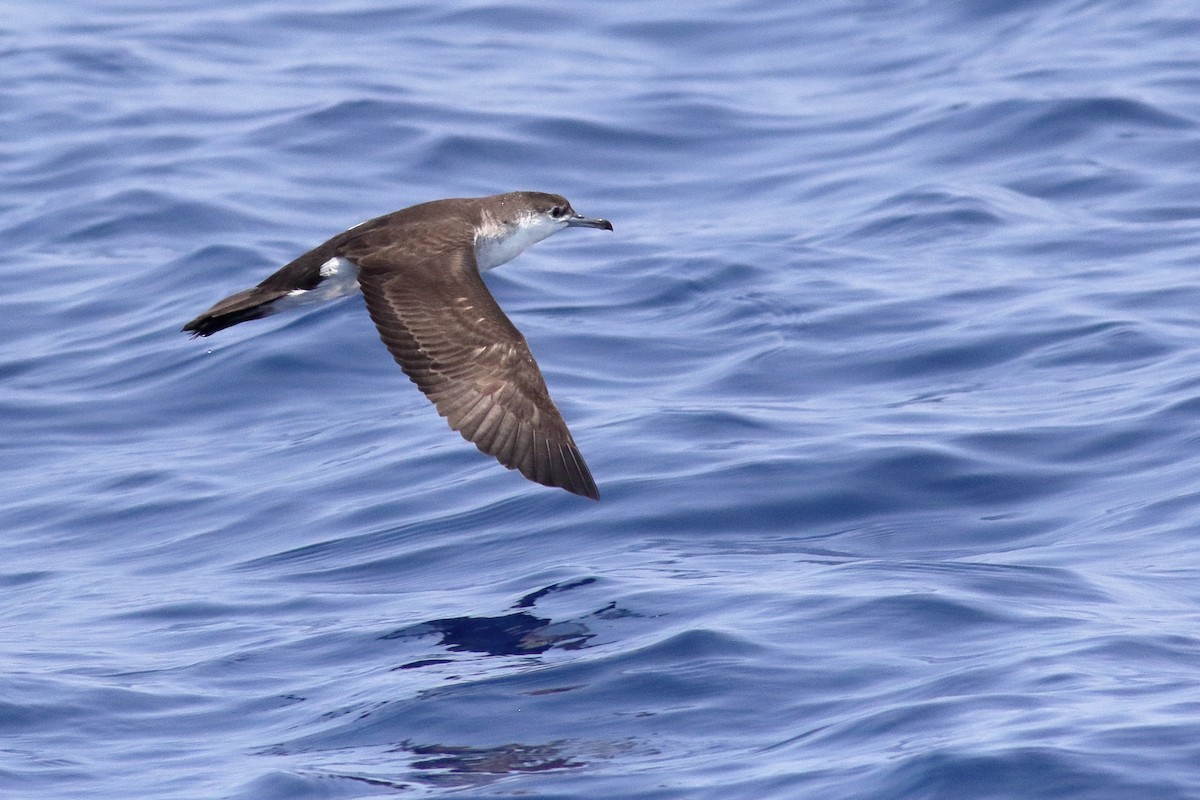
(339,278)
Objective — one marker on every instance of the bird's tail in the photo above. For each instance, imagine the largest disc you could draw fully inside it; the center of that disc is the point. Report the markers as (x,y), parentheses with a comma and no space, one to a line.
(246,305)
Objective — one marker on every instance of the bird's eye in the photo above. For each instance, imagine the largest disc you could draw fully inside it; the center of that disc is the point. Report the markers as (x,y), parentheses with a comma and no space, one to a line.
(557,211)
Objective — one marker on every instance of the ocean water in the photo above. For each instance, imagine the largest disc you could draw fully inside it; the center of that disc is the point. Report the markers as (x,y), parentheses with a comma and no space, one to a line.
(889,376)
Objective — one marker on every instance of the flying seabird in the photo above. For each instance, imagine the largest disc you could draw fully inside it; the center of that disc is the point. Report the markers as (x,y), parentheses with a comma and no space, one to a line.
(419,271)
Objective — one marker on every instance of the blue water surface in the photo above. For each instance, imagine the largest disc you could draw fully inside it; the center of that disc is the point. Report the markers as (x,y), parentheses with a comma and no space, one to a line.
(889,376)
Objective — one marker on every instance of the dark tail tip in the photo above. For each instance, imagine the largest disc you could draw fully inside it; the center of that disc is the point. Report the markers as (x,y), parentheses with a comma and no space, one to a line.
(208,323)
(202,326)
(240,307)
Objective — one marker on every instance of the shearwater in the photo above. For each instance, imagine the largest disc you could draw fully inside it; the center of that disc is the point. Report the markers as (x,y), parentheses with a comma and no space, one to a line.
(419,272)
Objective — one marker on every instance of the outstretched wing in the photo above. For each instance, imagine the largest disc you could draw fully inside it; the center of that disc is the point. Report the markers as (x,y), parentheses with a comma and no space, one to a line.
(449,335)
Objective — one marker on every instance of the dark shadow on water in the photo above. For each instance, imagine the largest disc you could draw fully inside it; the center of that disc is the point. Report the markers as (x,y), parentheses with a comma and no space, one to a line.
(515,634)
(510,635)
(406,765)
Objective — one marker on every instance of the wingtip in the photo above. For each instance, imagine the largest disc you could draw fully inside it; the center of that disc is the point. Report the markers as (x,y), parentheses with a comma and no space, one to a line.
(587,490)
(572,473)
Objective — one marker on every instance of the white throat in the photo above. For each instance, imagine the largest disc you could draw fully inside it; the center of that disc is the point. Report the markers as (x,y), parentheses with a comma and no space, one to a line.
(497,244)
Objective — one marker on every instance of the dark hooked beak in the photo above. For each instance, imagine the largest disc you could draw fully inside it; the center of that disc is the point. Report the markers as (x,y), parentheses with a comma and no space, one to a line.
(578,221)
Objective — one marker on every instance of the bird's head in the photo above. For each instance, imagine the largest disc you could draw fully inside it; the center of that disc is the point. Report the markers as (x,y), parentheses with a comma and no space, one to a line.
(512,222)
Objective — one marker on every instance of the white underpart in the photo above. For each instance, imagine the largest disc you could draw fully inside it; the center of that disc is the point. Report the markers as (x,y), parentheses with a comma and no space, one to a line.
(339,278)
(497,244)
